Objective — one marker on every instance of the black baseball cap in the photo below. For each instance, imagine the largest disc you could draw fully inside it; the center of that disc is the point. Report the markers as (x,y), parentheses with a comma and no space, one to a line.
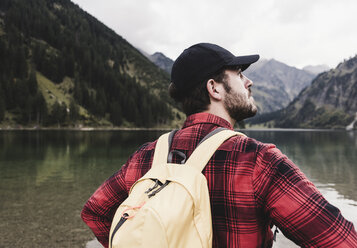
(199,62)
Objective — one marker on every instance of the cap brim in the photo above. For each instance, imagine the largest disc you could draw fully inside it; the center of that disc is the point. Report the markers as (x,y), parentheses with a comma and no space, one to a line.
(244,61)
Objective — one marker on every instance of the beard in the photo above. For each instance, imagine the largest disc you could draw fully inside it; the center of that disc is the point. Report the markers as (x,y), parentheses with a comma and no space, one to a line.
(239,106)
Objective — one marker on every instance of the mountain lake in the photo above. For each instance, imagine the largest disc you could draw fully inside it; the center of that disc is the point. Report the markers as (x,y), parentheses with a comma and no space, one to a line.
(47,176)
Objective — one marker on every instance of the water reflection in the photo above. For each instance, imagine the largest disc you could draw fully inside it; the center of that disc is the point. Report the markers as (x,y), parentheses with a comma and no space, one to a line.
(46,176)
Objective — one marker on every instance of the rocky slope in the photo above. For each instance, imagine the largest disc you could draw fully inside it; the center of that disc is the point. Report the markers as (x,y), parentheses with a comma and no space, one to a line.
(330,101)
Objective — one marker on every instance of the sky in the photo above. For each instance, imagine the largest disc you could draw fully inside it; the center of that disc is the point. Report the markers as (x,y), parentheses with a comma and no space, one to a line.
(295,32)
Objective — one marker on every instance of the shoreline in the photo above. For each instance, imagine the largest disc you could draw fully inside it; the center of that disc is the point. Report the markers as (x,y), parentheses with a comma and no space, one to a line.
(89,129)
(85,129)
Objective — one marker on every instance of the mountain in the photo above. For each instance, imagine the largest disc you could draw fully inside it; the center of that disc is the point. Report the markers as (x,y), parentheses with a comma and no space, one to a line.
(59,66)
(276,84)
(316,69)
(162,61)
(329,102)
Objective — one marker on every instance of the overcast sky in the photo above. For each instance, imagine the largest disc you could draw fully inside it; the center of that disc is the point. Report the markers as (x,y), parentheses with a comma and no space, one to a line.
(296,32)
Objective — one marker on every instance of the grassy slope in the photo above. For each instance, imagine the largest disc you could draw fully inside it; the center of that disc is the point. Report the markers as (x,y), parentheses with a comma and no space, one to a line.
(61,93)
(53,92)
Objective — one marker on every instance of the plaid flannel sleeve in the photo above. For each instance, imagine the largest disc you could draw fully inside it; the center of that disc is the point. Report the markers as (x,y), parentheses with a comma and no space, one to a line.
(99,210)
(296,206)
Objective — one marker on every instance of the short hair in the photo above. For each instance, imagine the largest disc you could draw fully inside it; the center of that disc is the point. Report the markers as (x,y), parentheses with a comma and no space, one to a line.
(197,99)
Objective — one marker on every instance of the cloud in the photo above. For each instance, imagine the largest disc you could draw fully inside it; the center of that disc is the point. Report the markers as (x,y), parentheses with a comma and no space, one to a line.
(296,32)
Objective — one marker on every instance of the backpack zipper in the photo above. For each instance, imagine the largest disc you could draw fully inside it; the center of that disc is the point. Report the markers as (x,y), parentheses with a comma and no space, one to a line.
(120,223)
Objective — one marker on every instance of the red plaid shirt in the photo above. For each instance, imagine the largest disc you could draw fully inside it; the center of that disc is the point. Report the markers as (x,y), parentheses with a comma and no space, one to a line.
(252,186)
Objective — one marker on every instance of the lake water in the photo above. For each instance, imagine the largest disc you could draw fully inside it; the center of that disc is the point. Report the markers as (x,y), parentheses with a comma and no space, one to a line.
(46,177)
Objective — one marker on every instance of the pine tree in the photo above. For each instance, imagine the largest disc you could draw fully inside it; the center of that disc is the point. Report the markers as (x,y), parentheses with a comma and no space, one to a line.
(2,105)
(9,88)
(21,93)
(38,56)
(64,113)
(116,114)
(32,83)
(78,91)
(26,110)
(20,63)
(69,64)
(40,109)
(3,56)
(101,103)
(56,114)
(73,111)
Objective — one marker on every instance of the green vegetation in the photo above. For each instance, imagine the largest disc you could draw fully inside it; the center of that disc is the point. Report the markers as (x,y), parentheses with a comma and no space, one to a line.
(59,66)
(306,116)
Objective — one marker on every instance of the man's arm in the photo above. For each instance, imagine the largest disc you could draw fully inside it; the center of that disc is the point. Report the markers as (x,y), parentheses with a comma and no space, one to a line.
(99,210)
(298,209)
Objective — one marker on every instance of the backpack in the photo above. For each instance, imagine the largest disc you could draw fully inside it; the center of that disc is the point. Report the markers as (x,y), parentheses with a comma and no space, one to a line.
(169,206)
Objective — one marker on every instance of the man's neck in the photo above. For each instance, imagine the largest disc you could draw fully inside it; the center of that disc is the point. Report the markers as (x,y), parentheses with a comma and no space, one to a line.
(220,111)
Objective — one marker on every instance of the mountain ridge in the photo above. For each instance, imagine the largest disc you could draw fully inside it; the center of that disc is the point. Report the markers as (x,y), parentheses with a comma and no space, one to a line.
(162,61)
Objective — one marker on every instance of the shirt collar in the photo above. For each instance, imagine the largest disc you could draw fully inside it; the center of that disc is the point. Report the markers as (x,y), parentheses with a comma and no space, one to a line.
(201,118)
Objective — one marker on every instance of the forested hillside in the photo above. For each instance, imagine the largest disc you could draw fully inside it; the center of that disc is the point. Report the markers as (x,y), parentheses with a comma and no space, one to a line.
(61,66)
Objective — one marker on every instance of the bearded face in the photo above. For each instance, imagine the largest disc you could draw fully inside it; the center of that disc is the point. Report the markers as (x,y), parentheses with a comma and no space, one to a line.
(239,103)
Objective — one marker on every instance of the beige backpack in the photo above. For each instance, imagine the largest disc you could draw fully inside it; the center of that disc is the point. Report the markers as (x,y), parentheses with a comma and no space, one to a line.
(169,206)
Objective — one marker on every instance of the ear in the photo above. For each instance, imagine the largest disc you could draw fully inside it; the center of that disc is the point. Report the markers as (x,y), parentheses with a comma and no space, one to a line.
(215,90)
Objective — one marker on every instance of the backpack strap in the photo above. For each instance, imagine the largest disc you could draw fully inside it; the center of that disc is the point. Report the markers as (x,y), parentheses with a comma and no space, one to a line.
(162,148)
(208,146)
(217,130)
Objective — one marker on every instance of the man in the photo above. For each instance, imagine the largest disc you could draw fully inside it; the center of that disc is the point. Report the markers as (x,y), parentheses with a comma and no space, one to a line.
(252,185)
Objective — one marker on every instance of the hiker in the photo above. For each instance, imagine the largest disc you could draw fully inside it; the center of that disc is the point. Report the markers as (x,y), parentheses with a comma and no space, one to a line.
(252,185)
